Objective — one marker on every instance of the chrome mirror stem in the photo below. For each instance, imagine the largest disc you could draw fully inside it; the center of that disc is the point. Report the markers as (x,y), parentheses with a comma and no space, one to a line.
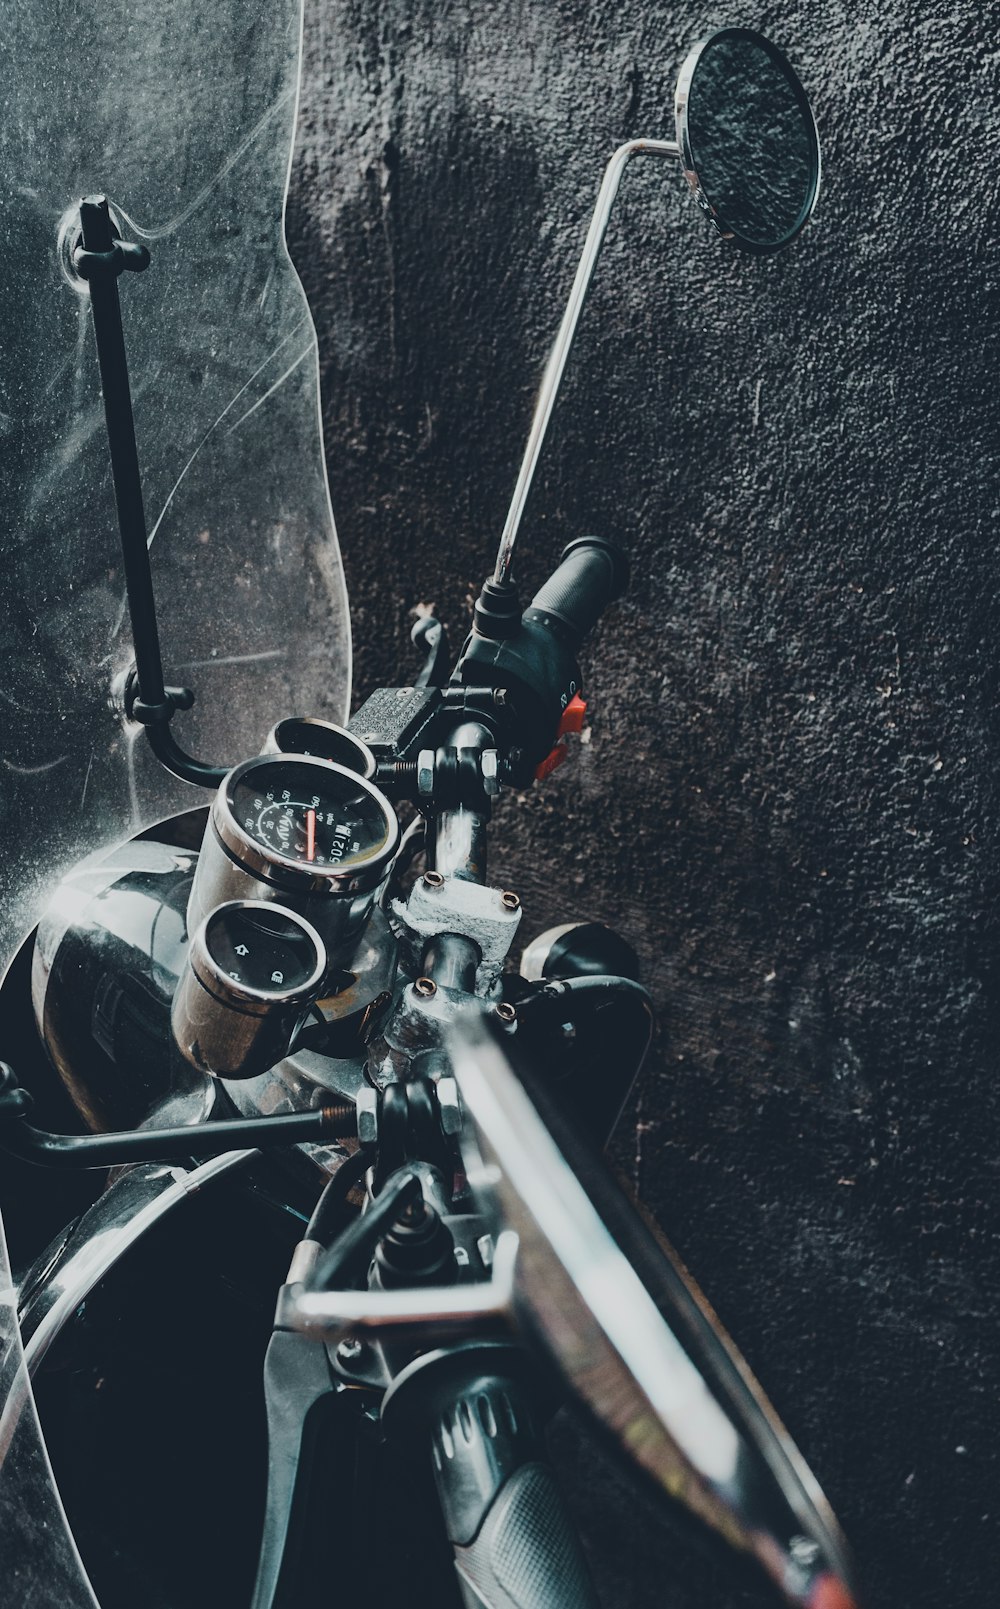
(567,329)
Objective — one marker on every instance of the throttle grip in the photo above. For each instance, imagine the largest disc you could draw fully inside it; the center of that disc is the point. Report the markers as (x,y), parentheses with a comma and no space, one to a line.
(478,1410)
(533,657)
(512,1538)
(592,574)
(527,1554)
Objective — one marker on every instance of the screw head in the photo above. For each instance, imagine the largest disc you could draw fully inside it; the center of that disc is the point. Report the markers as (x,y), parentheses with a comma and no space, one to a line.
(433,880)
(509,900)
(425,987)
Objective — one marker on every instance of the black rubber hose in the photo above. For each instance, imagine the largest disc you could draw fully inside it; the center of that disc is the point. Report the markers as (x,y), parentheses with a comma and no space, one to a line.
(326,1215)
(173,758)
(357,1242)
(597,988)
(597,1092)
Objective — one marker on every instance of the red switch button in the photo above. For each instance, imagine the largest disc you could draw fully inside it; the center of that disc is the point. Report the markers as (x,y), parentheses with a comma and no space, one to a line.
(573,716)
(553,760)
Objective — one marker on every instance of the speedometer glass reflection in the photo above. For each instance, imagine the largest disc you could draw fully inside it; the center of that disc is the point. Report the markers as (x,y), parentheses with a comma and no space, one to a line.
(310,814)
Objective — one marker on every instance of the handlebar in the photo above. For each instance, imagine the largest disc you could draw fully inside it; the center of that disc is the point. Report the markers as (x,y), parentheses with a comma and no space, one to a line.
(592,574)
(532,657)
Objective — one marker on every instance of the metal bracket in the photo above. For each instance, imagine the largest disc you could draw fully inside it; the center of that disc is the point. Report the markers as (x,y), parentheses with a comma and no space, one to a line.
(446,1309)
(488,916)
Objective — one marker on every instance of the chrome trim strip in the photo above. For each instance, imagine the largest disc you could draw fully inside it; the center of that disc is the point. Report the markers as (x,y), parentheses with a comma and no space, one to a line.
(89,1263)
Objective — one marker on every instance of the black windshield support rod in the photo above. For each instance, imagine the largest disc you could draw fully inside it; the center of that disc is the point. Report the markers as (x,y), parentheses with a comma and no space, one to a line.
(99,259)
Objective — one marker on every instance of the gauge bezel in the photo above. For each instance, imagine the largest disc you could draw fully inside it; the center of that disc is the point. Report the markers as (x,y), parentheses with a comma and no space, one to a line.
(343,734)
(227,990)
(283,871)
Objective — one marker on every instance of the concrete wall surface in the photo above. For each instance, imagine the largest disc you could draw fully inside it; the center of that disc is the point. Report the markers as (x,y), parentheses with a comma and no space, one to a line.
(789,793)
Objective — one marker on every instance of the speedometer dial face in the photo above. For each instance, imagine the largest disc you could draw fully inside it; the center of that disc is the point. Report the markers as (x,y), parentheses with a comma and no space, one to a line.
(310,813)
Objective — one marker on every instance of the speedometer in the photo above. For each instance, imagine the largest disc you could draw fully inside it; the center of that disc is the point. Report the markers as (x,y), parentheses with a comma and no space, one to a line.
(302,831)
(302,813)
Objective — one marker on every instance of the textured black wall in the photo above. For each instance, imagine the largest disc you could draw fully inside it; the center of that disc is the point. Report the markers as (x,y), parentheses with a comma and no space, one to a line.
(789,794)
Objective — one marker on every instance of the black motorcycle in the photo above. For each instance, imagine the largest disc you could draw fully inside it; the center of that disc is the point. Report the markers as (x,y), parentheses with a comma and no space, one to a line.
(310,1236)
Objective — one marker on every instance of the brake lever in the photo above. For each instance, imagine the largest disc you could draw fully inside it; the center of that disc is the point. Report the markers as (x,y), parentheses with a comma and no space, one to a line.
(430,635)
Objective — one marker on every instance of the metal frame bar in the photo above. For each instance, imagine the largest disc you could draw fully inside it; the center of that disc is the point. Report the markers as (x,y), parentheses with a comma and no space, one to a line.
(459,1309)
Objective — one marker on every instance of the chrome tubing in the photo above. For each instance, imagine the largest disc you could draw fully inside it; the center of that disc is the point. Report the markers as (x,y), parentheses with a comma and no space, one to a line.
(560,351)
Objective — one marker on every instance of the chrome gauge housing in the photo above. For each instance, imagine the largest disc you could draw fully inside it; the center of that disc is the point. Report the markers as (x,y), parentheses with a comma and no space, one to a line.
(303,832)
(307,734)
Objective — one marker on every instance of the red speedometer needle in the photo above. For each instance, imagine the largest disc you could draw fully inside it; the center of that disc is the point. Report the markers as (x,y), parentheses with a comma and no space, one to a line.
(310,835)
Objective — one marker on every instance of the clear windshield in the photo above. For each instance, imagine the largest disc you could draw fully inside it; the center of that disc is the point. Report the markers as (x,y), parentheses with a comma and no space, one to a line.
(182,114)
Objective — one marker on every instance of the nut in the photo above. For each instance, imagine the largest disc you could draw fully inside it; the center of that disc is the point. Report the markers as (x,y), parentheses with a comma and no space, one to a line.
(449,1105)
(367,1104)
(433,880)
(509,900)
(425,773)
(505,1011)
(425,987)
(490,766)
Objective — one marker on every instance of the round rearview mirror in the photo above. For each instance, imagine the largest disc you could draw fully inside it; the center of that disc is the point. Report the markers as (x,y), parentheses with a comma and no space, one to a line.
(748,139)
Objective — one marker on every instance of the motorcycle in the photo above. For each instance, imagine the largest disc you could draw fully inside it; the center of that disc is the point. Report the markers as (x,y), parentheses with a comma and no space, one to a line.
(274,1105)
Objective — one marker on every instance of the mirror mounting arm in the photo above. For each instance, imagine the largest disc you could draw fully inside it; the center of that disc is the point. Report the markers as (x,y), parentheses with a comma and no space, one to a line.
(567,330)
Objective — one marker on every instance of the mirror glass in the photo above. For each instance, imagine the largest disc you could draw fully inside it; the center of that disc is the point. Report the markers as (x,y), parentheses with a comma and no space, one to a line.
(748,139)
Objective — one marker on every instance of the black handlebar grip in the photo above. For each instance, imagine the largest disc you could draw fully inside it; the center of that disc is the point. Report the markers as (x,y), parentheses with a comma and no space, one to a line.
(513,1541)
(592,574)
(527,1554)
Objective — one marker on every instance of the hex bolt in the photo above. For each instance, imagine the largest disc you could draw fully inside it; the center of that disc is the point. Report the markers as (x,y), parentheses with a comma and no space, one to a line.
(425,773)
(490,766)
(350,1350)
(433,880)
(367,1110)
(505,1011)
(449,1104)
(509,900)
(425,987)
